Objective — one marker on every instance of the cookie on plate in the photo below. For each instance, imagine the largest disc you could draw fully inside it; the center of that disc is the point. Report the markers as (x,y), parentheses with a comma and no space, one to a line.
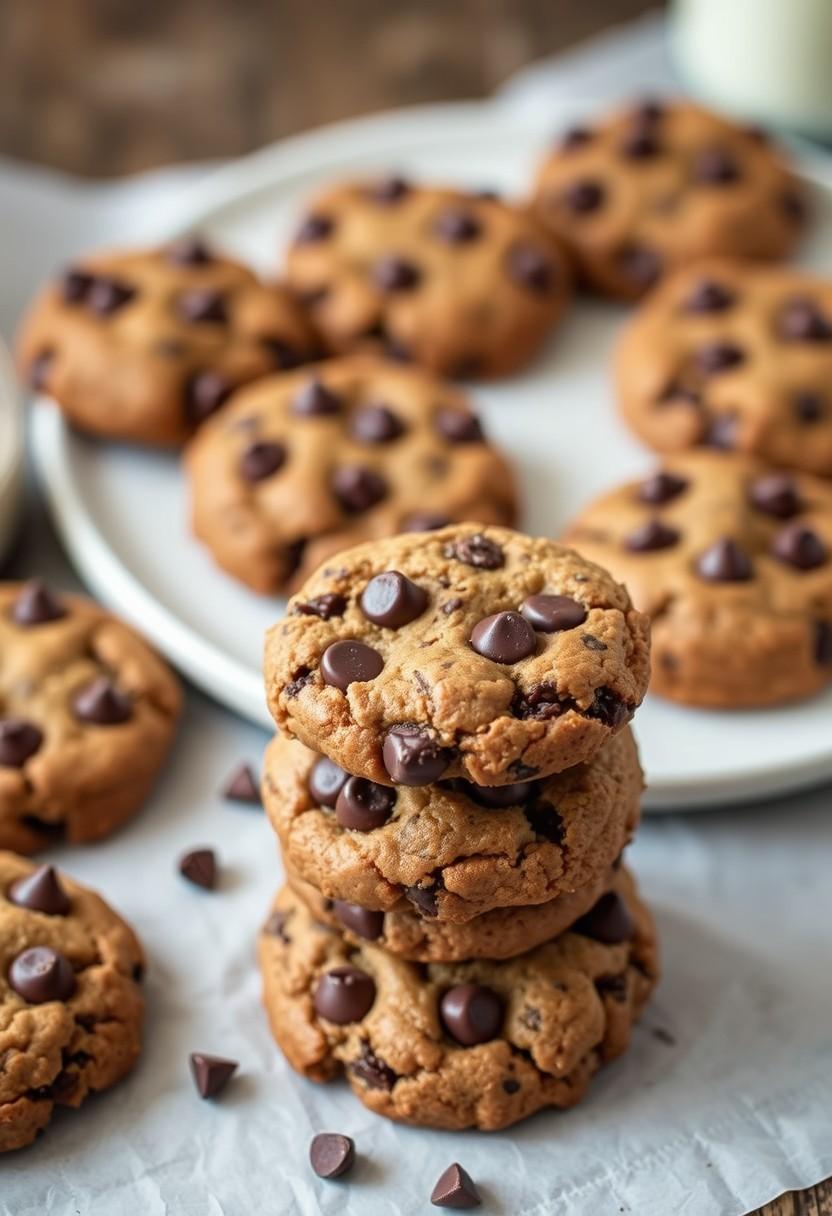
(144,345)
(302,465)
(654,185)
(451,851)
(733,563)
(454,1045)
(70,1003)
(468,652)
(735,357)
(87,714)
(463,284)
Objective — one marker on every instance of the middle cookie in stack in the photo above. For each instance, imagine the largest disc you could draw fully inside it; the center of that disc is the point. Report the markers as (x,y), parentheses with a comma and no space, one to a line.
(456,907)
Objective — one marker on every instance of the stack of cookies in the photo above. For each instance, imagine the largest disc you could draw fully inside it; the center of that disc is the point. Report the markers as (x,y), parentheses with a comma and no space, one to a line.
(452,789)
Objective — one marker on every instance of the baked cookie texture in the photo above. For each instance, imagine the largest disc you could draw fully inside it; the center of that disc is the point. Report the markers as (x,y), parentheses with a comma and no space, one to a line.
(463,284)
(451,852)
(144,345)
(87,714)
(735,357)
(657,184)
(57,1049)
(733,563)
(486,654)
(302,465)
(471,1044)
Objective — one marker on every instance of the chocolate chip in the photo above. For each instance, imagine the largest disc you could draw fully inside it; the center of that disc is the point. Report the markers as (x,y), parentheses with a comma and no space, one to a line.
(189,251)
(40,891)
(641,265)
(201,305)
(608,921)
(477,551)
(592,643)
(315,227)
(455,1189)
(530,267)
(41,974)
(800,547)
(456,226)
(75,285)
(364,922)
(101,703)
(211,1073)
(261,459)
(661,488)
(541,702)
(545,821)
(275,925)
(331,1155)
(608,708)
(793,206)
(776,494)
(574,137)
(242,787)
(709,296)
(504,637)
(648,111)
(510,1086)
(372,1070)
(391,599)
(358,488)
(394,274)
(106,296)
(823,643)
(471,1013)
(199,866)
(423,900)
(388,190)
(325,782)
(809,408)
(584,196)
(458,426)
(424,521)
(718,357)
(326,606)
(39,370)
(725,562)
(347,662)
(552,613)
(497,797)
(639,144)
(364,805)
(651,536)
(285,355)
(376,424)
(205,392)
(715,167)
(19,740)
(35,605)
(801,320)
(344,994)
(412,757)
(315,400)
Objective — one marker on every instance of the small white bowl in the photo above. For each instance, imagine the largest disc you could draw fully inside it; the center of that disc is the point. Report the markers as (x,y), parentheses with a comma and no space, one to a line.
(11,452)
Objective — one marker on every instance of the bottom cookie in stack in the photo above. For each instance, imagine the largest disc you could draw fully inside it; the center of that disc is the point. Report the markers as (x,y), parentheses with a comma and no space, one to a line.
(481,1043)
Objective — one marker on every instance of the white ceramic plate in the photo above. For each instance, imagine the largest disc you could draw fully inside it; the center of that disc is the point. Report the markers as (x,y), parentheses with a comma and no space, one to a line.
(123,513)
(11,452)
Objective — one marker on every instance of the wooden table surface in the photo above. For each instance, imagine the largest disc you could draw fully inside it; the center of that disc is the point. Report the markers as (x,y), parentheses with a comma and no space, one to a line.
(107,87)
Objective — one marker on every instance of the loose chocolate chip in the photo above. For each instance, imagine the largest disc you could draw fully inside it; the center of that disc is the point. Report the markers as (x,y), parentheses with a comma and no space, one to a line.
(275,926)
(471,1013)
(39,370)
(801,320)
(40,892)
(315,227)
(363,805)
(709,296)
(457,227)
(41,974)
(189,251)
(574,137)
(326,606)
(358,488)
(608,708)
(315,400)
(776,494)
(211,1073)
(344,995)
(393,274)
(641,265)
(375,424)
(101,703)
(412,757)
(504,637)
(242,786)
(455,1189)
(35,605)
(261,459)
(477,551)
(530,267)
(809,408)
(388,190)
(325,782)
(19,740)
(545,821)
(331,1155)
(391,599)
(497,797)
(718,357)
(75,285)
(552,613)
(725,562)
(608,921)
(800,547)
(651,536)
(205,392)
(423,900)
(106,296)
(347,662)
(823,643)
(661,488)
(715,167)
(584,196)
(458,427)
(364,922)
(201,305)
(199,866)
(372,1070)
(424,521)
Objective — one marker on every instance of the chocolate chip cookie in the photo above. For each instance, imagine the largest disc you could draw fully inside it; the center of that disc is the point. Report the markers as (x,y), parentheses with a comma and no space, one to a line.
(468,652)
(656,185)
(454,1045)
(144,345)
(304,464)
(70,1003)
(734,357)
(733,563)
(451,851)
(460,283)
(87,714)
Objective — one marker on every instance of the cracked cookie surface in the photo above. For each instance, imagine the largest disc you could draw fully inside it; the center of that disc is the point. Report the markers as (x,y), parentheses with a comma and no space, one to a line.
(302,465)
(87,714)
(733,563)
(453,851)
(70,1018)
(454,1045)
(467,652)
